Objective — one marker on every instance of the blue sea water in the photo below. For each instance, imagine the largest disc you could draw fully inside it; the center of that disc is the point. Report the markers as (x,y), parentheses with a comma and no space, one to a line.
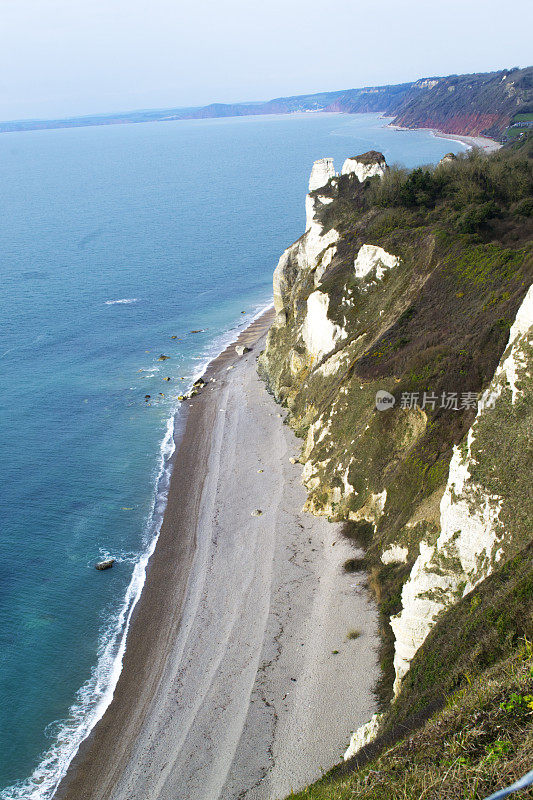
(113,240)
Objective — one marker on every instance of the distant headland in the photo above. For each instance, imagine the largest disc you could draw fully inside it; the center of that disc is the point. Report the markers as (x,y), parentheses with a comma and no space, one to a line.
(498,105)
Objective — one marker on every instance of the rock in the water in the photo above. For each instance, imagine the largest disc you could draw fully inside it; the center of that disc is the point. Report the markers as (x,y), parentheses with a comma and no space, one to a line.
(199,383)
(240,349)
(163,357)
(106,564)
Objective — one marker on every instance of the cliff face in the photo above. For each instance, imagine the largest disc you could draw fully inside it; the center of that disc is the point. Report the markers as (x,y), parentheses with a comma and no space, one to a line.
(402,348)
(468,104)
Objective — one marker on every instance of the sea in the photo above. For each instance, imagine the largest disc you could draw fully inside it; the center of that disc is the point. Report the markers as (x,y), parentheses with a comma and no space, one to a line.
(120,245)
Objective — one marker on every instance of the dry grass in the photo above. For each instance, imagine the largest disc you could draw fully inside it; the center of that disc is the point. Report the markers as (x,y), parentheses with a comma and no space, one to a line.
(481,741)
(353,634)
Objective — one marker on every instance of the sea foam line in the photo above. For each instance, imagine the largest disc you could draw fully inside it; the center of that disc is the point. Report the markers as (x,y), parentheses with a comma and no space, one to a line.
(122,301)
(96,694)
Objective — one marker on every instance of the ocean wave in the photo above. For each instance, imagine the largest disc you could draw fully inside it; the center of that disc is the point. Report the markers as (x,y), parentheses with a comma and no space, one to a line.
(96,694)
(122,301)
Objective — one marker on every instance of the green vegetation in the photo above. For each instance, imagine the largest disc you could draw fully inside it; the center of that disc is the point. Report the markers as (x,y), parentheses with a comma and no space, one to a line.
(462,726)
(437,323)
(468,750)
(353,634)
(471,194)
(472,104)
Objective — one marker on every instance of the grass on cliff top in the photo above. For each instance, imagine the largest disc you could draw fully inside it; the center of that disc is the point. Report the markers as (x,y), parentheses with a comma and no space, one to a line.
(487,197)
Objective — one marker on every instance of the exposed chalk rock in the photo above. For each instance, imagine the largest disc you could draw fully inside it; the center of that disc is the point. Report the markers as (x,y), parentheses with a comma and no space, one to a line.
(448,159)
(319,333)
(321,172)
(307,253)
(395,554)
(241,349)
(313,244)
(372,510)
(332,365)
(471,532)
(365,166)
(370,257)
(315,250)
(363,736)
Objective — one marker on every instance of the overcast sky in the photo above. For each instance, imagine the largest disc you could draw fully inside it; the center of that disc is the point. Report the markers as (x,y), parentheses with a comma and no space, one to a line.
(70,57)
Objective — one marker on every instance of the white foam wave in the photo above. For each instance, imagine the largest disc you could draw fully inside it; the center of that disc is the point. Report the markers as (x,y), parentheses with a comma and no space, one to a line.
(123,301)
(96,694)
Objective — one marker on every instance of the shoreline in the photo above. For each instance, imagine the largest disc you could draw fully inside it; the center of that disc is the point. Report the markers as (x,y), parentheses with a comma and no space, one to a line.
(279,672)
(214,363)
(473,142)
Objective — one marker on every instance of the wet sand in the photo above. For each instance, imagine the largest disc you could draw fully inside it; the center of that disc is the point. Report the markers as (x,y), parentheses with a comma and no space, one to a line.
(230,687)
(479,142)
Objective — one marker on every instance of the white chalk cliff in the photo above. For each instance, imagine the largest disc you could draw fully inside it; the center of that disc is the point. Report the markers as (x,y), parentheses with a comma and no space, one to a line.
(471,533)
(315,250)
(363,169)
(365,307)
(371,258)
(319,332)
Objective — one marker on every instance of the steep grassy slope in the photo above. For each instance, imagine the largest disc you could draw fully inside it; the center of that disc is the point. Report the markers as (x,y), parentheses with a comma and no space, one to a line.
(469,104)
(416,284)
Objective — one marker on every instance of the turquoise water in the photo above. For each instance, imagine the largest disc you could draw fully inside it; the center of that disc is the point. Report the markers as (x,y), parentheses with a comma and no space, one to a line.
(112,241)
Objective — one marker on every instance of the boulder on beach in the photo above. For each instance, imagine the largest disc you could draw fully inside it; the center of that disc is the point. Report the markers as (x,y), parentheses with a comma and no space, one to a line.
(240,349)
(106,564)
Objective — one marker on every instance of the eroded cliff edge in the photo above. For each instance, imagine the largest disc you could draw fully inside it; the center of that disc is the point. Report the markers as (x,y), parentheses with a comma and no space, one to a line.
(413,289)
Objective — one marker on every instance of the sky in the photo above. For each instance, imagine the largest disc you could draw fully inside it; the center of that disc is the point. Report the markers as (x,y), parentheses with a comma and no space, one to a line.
(72,57)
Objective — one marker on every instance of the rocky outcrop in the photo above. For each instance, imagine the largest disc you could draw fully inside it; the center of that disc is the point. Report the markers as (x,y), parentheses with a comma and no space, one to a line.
(105,564)
(365,166)
(372,259)
(315,250)
(363,736)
